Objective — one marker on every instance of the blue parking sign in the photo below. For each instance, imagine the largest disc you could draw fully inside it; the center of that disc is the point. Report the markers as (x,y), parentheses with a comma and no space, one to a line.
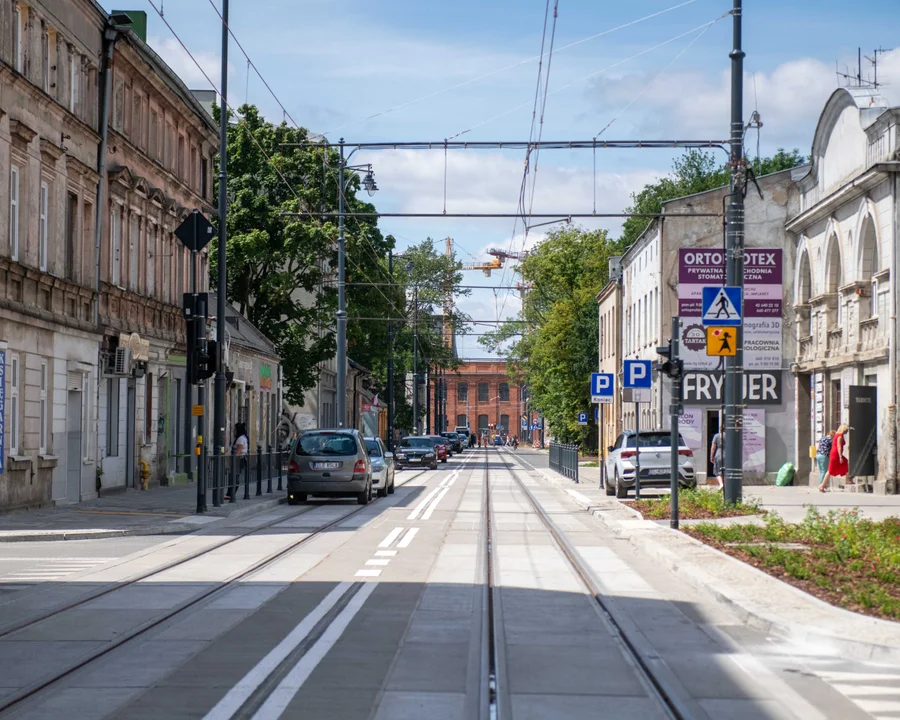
(603,387)
(637,374)
(582,418)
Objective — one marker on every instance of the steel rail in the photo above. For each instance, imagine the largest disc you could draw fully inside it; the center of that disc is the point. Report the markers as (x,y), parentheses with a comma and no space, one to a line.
(14,699)
(660,688)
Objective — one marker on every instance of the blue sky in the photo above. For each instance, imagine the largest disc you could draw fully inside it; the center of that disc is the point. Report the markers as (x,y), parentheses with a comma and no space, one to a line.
(334,62)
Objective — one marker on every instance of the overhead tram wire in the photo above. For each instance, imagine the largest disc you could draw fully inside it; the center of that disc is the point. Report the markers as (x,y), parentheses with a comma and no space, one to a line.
(243,121)
(485,76)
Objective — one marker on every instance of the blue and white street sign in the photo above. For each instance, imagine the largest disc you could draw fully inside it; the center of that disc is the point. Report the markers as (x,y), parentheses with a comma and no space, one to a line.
(535,426)
(637,374)
(722,306)
(582,418)
(603,386)
(597,414)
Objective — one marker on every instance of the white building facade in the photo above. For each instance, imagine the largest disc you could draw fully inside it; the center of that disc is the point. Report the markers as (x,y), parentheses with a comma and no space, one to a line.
(845,286)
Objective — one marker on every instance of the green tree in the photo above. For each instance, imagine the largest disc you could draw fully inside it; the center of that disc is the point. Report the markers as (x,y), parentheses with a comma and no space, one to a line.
(556,351)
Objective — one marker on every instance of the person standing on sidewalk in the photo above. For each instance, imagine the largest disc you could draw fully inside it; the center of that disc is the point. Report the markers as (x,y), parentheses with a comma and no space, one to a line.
(239,447)
(717,453)
(823,451)
(837,463)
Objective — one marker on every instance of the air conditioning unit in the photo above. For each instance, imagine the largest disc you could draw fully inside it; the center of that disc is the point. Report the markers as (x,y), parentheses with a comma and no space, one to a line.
(122,365)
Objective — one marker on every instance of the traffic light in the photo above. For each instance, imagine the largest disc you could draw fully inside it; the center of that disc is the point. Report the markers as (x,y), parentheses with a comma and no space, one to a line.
(206,360)
(670,367)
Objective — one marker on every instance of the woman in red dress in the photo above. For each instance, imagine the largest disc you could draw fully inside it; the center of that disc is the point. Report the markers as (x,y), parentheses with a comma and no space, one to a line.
(837,463)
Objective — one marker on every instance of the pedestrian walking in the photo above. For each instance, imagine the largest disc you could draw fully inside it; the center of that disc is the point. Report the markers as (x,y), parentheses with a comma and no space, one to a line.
(823,451)
(837,463)
(717,453)
(239,447)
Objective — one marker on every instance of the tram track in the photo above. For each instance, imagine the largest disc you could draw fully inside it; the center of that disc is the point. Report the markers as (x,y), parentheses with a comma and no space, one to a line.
(653,673)
(15,699)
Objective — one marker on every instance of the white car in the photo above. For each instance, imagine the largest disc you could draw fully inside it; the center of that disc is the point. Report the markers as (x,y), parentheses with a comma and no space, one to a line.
(656,459)
(382,466)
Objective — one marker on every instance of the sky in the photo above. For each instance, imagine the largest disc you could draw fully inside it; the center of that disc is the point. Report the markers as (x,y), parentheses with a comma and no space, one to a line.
(429,71)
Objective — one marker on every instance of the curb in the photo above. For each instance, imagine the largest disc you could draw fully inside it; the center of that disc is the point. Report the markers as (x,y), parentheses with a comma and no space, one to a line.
(139,530)
(746,610)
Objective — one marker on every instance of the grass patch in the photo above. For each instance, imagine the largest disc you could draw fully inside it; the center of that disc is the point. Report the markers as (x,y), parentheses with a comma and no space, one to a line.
(593,463)
(845,560)
(695,504)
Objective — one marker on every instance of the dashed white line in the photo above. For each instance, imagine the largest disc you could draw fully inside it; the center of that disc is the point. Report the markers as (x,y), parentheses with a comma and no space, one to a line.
(281,697)
(377,562)
(434,504)
(422,503)
(408,538)
(385,553)
(368,573)
(391,536)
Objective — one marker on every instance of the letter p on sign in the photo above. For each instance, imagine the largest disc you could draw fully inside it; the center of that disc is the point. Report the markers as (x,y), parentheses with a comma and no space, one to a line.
(637,374)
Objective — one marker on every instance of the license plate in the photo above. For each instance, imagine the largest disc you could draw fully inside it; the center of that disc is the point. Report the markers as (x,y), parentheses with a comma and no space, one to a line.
(659,471)
(326,465)
(415,459)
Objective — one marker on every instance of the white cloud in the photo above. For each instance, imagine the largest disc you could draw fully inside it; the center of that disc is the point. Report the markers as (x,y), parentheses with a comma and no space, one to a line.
(170,50)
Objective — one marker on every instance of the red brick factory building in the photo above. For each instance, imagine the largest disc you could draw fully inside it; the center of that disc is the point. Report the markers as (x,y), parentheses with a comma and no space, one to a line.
(481,391)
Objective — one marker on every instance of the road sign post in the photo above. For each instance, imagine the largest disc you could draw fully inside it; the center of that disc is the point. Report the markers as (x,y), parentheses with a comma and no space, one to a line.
(722,306)
(674,412)
(637,376)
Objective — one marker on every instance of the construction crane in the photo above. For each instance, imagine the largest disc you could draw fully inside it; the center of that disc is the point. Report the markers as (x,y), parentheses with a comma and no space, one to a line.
(486,267)
(502,255)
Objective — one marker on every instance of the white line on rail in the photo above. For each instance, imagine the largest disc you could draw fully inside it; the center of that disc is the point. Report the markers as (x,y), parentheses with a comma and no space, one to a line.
(422,503)
(408,538)
(435,502)
(391,536)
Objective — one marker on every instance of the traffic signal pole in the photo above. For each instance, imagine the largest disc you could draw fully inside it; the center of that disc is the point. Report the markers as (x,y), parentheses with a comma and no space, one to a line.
(734,270)
(674,413)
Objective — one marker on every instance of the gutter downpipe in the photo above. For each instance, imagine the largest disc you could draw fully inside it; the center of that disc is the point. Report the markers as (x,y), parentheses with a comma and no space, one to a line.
(110,36)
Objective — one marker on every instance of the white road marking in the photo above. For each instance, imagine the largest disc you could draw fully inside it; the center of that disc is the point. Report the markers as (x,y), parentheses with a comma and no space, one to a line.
(46,569)
(435,502)
(873,699)
(408,538)
(385,553)
(368,573)
(377,562)
(281,697)
(238,695)
(391,536)
(422,503)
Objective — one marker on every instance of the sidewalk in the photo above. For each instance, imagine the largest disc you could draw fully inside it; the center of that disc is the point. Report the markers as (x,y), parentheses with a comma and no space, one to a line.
(160,511)
(760,600)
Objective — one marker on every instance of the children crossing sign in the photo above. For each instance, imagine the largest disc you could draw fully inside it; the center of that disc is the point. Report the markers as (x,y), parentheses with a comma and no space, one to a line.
(722,306)
(720,342)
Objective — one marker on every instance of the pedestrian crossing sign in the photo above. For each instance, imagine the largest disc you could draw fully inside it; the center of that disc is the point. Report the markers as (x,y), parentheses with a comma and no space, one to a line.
(722,306)
(721,341)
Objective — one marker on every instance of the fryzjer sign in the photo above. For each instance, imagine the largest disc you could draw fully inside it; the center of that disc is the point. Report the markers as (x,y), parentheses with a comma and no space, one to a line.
(708,388)
(762,306)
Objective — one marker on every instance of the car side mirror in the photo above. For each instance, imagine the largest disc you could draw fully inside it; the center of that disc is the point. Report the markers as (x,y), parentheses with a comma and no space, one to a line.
(389,455)
(610,448)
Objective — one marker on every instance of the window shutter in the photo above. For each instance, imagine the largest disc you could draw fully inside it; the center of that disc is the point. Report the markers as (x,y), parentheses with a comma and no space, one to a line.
(75,381)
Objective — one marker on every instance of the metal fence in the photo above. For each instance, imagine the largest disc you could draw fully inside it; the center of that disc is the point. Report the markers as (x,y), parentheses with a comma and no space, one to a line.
(246,475)
(564,459)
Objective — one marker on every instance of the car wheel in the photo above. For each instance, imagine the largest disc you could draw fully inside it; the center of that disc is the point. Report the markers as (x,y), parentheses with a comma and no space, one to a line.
(610,490)
(434,467)
(297,499)
(443,459)
(364,497)
(621,490)
(383,491)
(391,486)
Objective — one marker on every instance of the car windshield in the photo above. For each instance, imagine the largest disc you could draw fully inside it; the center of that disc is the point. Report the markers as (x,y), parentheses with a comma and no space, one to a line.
(652,440)
(416,442)
(437,440)
(373,448)
(326,443)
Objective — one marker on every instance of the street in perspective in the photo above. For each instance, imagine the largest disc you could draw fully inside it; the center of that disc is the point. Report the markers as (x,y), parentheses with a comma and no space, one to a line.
(496,360)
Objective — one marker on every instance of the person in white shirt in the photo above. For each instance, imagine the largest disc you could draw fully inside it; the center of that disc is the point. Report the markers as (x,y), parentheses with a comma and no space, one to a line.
(240,446)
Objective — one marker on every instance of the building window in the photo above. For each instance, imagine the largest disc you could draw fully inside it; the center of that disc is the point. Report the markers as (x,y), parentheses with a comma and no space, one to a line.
(118,108)
(180,168)
(137,120)
(45,57)
(133,244)
(204,178)
(71,224)
(504,423)
(74,80)
(13,404)
(42,449)
(148,408)
(482,392)
(504,392)
(462,421)
(42,227)
(14,212)
(482,422)
(462,392)
(153,149)
(112,417)
(20,40)
(115,253)
(152,235)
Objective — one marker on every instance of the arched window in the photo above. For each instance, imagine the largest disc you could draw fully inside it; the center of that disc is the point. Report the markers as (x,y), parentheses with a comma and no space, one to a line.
(804,292)
(482,422)
(462,392)
(462,421)
(868,267)
(482,392)
(834,277)
(504,392)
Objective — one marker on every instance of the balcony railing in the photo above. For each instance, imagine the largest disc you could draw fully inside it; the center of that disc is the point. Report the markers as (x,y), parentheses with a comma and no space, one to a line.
(835,341)
(870,335)
(805,349)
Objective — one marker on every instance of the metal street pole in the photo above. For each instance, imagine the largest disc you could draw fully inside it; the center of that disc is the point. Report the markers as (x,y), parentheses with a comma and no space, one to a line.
(637,451)
(674,413)
(200,320)
(222,286)
(415,361)
(342,309)
(187,432)
(734,270)
(602,452)
(427,397)
(390,367)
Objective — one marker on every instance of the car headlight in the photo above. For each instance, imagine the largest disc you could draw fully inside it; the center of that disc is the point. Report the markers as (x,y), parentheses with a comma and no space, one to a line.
(401,457)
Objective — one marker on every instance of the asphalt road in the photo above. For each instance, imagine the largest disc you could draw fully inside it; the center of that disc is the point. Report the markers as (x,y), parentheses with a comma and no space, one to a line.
(385,613)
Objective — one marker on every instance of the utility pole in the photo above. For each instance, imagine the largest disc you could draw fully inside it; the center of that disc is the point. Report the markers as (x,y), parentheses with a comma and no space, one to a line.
(415,402)
(734,270)
(222,286)
(390,366)
(342,309)
(675,410)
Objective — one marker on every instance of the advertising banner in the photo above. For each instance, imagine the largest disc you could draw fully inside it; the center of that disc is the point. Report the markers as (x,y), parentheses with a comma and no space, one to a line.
(754,436)
(863,438)
(762,329)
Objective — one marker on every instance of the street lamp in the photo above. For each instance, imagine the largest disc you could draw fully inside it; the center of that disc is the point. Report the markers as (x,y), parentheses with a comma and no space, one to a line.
(370,187)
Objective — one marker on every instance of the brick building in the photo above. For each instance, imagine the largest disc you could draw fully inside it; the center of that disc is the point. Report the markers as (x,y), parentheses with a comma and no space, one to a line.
(481,395)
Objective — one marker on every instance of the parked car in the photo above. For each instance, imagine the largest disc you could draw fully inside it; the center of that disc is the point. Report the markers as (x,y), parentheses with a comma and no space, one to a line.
(330,463)
(382,466)
(655,457)
(456,441)
(462,430)
(415,451)
(441,447)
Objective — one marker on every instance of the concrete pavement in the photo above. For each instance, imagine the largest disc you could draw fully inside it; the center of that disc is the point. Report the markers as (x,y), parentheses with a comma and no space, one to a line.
(383,615)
